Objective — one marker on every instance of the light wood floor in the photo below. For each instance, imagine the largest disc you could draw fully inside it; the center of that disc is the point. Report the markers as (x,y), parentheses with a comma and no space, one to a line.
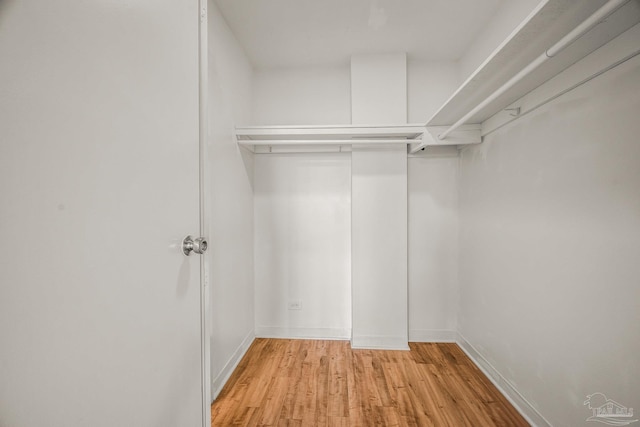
(318,383)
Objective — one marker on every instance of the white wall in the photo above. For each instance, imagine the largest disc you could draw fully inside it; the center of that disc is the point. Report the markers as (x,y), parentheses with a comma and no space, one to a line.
(433,244)
(433,211)
(379,88)
(230,202)
(302,244)
(429,84)
(322,95)
(280,216)
(302,96)
(550,243)
(508,16)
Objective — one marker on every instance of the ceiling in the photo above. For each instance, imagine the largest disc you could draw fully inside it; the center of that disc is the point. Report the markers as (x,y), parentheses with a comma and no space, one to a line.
(288,33)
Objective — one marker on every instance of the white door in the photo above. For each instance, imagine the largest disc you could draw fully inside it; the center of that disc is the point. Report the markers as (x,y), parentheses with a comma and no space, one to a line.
(99,309)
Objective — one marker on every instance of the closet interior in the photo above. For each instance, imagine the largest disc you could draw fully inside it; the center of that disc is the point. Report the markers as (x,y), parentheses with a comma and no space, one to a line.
(489,200)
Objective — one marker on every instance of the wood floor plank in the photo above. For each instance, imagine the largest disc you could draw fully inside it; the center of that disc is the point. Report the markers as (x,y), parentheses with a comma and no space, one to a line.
(326,383)
(444,410)
(322,391)
(338,405)
(273,404)
(381,382)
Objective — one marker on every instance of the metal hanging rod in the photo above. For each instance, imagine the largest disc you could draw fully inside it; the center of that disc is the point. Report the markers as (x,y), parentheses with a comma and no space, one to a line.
(597,17)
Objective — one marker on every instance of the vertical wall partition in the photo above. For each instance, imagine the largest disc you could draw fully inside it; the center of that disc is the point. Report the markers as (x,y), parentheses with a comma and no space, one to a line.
(379,206)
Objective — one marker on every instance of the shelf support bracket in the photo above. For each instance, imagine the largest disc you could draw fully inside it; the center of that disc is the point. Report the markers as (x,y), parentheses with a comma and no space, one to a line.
(464,135)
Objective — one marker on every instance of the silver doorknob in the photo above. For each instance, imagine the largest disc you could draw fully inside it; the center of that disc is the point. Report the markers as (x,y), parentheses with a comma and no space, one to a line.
(198,245)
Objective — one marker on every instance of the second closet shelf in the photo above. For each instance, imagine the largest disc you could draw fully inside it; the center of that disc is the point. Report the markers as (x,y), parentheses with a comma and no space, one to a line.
(287,139)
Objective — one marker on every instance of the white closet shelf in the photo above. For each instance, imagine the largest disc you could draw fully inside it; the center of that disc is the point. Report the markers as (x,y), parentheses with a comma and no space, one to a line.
(288,139)
(266,139)
(328,132)
(546,25)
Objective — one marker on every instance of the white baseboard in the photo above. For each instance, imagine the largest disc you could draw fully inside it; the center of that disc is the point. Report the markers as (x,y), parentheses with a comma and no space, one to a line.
(379,342)
(507,389)
(221,379)
(432,335)
(303,333)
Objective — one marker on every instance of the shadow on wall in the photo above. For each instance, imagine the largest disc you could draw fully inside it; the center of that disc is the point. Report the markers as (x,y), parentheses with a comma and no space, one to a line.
(4,4)
(247,160)
(4,7)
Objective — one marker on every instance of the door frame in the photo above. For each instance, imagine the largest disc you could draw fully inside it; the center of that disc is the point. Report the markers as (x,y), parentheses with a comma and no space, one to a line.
(203,124)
